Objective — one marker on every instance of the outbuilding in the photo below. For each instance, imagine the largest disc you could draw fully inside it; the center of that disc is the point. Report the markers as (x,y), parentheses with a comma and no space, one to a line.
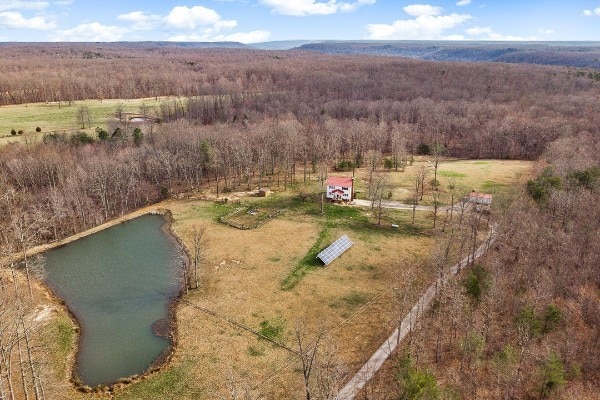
(340,188)
(264,192)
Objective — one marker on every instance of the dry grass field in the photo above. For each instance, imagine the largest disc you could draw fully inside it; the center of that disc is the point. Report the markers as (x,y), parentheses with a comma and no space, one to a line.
(488,176)
(267,280)
(352,299)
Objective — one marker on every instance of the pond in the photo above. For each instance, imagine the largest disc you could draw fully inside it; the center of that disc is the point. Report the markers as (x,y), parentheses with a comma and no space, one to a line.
(119,283)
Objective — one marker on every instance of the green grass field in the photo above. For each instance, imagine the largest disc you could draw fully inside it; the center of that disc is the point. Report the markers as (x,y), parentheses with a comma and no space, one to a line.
(52,117)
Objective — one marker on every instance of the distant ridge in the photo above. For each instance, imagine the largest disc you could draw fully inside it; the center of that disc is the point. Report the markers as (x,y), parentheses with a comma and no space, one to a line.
(282,44)
(572,54)
(189,45)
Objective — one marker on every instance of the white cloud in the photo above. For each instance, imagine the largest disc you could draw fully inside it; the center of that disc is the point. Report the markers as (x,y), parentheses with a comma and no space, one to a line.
(302,8)
(428,24)
(64,2)
(419,10)
(476,31)
(463,3)
(195,24)
(179,18)
(592,13)
(182,17)
(242,37)
(22,5)
(487,33)
(16,20)
(140,20)
(92,32)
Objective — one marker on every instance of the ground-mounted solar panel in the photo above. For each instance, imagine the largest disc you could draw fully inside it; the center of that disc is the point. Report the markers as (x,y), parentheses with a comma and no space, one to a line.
(335,250)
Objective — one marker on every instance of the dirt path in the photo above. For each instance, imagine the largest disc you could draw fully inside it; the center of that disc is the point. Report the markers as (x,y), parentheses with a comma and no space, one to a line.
(368,370)
(399,206)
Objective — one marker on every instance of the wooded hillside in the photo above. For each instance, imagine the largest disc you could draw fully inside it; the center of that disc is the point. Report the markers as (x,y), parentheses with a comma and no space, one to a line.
(476,110)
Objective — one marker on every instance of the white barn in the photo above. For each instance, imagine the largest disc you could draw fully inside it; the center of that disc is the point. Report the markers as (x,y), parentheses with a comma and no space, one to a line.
(340,188)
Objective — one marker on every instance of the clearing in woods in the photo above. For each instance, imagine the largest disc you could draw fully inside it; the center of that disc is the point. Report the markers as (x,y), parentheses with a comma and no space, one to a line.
(267,280)
(55,117)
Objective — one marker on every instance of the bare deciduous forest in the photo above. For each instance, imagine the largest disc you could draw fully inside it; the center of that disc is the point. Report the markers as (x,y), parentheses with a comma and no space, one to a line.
(525,324)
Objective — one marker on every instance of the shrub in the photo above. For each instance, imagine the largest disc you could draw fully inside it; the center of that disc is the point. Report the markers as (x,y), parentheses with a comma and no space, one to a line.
(272,329)
(539,188)
(164,193)
(388,163)
(423,149)
(588,178)
(527,320)
(138,136)
(552,316)
(21,131)
(102,134)
(414,383)
(81,138)
(38,129)
(13,132)
(553,375)
(344,166)
(476,283)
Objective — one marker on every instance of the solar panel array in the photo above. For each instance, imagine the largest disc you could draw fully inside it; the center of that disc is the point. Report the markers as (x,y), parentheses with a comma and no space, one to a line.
(335,250)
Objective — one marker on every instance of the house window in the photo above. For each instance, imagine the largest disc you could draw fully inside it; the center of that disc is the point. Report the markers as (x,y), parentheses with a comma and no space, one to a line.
(344,188)
(331,187)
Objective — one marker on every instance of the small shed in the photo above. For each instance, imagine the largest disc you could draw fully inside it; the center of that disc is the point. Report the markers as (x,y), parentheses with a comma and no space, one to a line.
(264,192)
(340,188)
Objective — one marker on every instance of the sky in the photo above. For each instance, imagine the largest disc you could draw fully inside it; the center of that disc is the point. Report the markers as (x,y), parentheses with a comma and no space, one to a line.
(252,21)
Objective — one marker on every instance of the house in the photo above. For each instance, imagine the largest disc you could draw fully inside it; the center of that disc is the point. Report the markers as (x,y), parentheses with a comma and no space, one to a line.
(340,188)
(479,198)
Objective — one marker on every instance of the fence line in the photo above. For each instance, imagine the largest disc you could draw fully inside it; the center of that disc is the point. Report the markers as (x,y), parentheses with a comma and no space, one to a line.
(368,370)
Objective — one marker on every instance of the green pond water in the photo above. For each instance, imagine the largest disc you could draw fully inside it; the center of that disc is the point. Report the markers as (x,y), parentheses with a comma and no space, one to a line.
(118,283)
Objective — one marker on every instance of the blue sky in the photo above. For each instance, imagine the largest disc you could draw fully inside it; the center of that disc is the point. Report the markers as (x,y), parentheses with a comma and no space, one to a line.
(250,21)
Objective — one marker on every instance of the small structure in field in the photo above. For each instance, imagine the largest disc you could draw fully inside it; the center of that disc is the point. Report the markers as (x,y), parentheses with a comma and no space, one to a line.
(335,250)
(264,192)
(479,198)
(340,188)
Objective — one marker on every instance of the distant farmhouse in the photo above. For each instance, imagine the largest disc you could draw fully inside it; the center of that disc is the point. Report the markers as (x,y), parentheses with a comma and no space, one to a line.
(340,188)
(479,198)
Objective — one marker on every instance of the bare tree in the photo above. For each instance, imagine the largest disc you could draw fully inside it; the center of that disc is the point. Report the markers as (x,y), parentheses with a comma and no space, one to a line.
(199,242)
(322,372)
(120,111)
(379,186)
(84,117)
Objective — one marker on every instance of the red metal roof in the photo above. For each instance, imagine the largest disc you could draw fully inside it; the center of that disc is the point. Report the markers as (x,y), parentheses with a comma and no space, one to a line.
(339,181)
(480,195)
